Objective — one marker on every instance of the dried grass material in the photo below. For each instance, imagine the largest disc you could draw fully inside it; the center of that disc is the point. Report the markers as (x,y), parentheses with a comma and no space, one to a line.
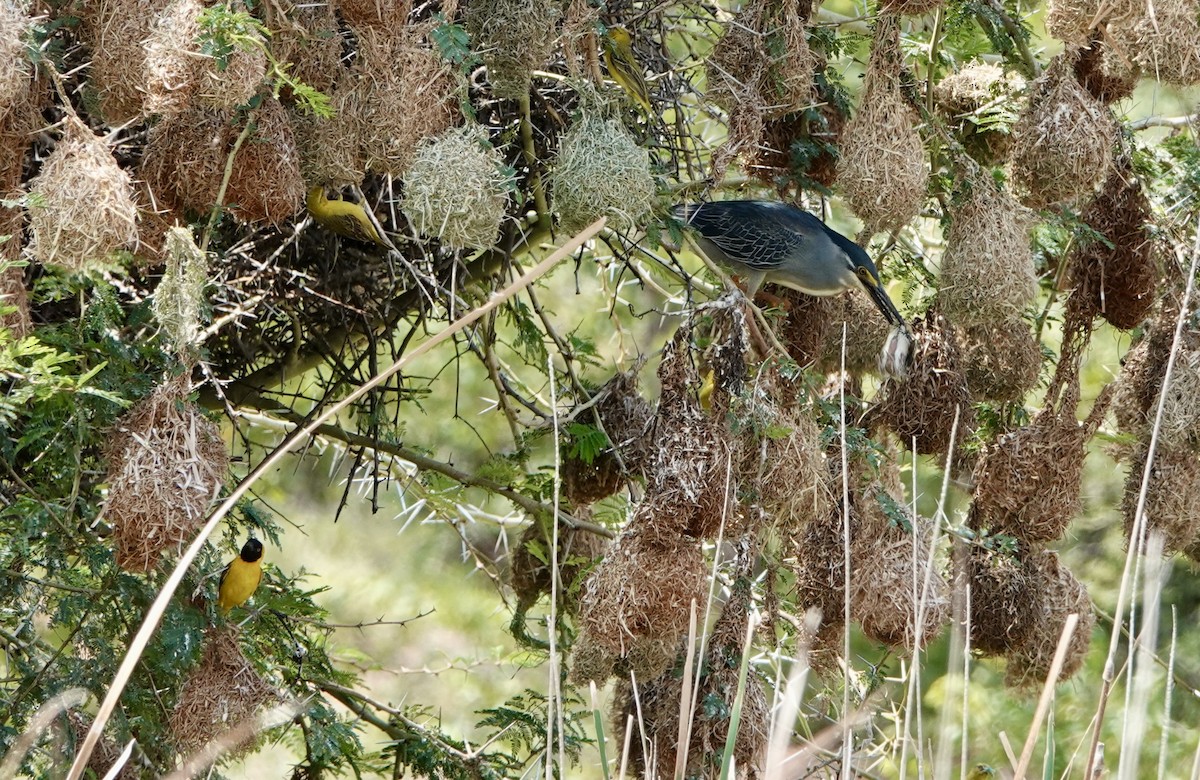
(1172,495)
(179,298)
(166,464)
(819,562)
(331,149)
(1056,595)
(987,273)
(82,208)
(1001,589)
(402,92)
(310,42)
(808,323)
(1028,480)
(762,58)
(923,407)
(106,752)
(822,126)
(266,185)
(979,100)
(1062,144)
(1165,42)
(1181,402)
(911,7)
(1119,281)
(1002,360)
(14,65)
(184,160)
(384,14)
(220,693)
(514,38)
(628,419)
(642,590)
(529,570)
(1106,73)
(866,332)
(13,294)
(1070,20)
(600,171)
(178,72)
(456,190)
(882,168)
(115,31)
(1133,396)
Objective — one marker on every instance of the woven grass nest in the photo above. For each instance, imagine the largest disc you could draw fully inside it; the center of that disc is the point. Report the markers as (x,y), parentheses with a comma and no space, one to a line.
(1166,43)
(1056,593)
(1172,504)
(762,58)
(529,569)
(1002,361)
(1107,73)
(179,298)
(600,171)
(979,100)
(822,126)
(514,38)
(115,31)
(866,332)
(14,65)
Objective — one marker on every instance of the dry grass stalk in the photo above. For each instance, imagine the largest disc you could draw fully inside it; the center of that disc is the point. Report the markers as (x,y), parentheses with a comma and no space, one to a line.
(1172,495)
(166,464)
(116,30)
(82,208)
(600,171)
(882,168)
(266,185)
(514,38)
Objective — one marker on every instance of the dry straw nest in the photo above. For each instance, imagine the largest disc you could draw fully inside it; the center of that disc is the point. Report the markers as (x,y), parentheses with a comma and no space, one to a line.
(514,38)
(1141,378)
(184,159)
(82,207)
(1001,591)
(1062,144)
(807,324)
(987,273)
(882,168)
(921,409)
(1107,73)
(266,185)
(529,571)
(762,59)
(179,298)
(1180,424)
(1002,360)
(166,464)
(385,14)
(822,126)
(1056,594)
(979,100)
(866,333)
(600,171)
(627,418)
(105,754)
(455,189)
(219,693)
(1117,272)
(14,65)
(1172,504)
(331,150)
(115,31)
(309,40)
(1166,41)
(178,73)
(911,7)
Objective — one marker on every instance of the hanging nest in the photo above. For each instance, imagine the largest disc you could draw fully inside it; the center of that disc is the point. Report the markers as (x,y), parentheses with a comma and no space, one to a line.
(384,14)
(818,562)
(807,324)
(804,144)
(762,58)
(178,73)
(1181,402)
(1002,360)
(1117,272)
(179,298)
(115,31)
(987,273)
(600,171)
(331,149)
(105,753)
(1107,73)
(1001,590)
(1141,377)
(184,159)
(529,570)
(513,38)
(456,190)
(166,465)
(402,92)
(266,185)
(882,168)
(14,64)
(1172,495)
(310,41)
(1056,595)
(12,279)
(627,419)
(923,406)
(219,694)
(82,210)
(1166,41)
(866,334)
(979,100)
(911,7)
(1062,144)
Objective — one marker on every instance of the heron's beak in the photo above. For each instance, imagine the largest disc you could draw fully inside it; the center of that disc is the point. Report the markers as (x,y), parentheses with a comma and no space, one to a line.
(885,305)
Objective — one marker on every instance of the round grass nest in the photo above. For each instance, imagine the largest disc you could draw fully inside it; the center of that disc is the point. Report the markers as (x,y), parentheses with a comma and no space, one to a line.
(456,189)
(184,159)
(513,38)
(1181,402)
(1172,495)
(628,419)
(178,73)
(1166,42)
(14,65)
(1062,143)
(1056,595)
(818,562)
(13,294)
(529,569)
(309,39)
(600,171)
(219,693)
(166,464)
(384,14)
(979,101)
(82,209)
(762,58)
(1002,360)
(266,185)
(821,126)
(179,298)
(921,408)
(115,31)
(882,168)
(807,323)
(866,333)
(1105,72)
(1143,368)
(106,752)
(987,273)
(331,149)
(1001,590)
(1117,272)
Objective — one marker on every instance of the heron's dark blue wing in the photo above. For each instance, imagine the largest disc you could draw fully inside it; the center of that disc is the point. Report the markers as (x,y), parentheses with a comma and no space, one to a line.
(759,234)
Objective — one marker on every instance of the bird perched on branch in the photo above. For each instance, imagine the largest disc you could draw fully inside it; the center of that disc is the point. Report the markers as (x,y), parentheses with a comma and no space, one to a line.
(766,241)
(241,577)
(346,218)
(624,68)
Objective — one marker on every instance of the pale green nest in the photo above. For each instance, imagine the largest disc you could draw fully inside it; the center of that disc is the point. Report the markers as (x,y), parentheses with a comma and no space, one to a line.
(81,205)
(514,38)
(14,65)
(601,172)
(455,189)
(179,297)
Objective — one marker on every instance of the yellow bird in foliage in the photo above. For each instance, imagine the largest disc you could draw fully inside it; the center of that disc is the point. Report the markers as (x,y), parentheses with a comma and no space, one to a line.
(624,68)
(346,218)
(241,577)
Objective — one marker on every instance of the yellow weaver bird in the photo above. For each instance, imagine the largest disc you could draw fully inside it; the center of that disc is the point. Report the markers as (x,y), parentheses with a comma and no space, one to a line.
(346,218)
(624,68)
(241,577)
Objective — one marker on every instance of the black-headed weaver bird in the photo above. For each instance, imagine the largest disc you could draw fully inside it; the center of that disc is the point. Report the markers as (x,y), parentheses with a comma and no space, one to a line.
(346,218)
(241,577)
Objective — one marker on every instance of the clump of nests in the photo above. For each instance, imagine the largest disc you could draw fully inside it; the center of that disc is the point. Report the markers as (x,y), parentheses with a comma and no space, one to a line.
(882,168)
(978,99)
(166,465)
(82,209)
(1062,144)
(987,273)
(219,693)
(179,73)
(455,189)
(1002,360)
(513,38)
(924,408)
(1172,503)
(115,31)
(1116,272)
(600,171)
(14,65)
(866,333)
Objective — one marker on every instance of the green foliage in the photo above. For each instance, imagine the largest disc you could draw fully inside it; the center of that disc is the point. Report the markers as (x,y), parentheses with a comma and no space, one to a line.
(224,31)
(586,441)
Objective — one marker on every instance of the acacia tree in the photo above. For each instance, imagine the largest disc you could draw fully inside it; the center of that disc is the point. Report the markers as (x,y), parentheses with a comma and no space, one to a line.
(188,189)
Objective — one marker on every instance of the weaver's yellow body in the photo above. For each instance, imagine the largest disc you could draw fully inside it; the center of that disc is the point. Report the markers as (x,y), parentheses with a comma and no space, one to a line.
(624,68)
(346,219)
(241,577)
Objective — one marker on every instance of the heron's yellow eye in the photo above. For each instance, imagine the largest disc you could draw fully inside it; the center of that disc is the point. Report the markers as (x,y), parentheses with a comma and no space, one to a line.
(866,275)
